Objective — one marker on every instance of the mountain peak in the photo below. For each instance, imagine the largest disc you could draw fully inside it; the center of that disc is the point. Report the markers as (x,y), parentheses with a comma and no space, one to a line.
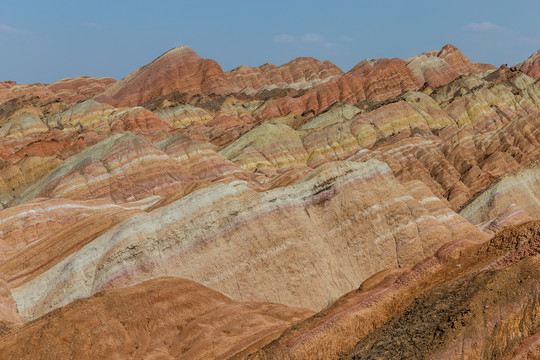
(182,51)
(455,58)
(531,66)
(179,69)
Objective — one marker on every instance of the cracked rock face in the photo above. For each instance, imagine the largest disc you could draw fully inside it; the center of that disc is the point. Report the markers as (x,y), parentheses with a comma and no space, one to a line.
(292,212)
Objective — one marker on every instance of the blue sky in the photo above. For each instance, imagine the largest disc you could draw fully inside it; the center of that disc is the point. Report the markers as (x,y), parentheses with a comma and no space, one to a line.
(44,41)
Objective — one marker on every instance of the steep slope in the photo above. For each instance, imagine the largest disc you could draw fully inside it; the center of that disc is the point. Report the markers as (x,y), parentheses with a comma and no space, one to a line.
(41,233)
(169,318)
(468,300)
(455,58)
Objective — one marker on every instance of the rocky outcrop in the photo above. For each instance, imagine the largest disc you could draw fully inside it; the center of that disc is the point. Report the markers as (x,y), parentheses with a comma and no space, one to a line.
(9,315)
(39,90)
(5,94)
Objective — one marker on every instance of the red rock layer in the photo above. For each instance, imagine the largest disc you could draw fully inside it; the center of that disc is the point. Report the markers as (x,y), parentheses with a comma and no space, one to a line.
(129,168)
(39,90)
(178,69)
(377,80)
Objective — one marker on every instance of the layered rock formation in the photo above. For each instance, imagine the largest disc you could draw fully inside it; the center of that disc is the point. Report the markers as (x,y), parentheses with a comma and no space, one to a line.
(467,300)
(328,209)
(455,58)
(136,322)
(187,212)
(298,74)
(178,69)
(520,187)
(370,79)
(72,90)
(431,69)
(439,68)
(69,90)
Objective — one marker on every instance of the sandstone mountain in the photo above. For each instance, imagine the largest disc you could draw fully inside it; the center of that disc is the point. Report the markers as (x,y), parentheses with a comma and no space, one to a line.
(273,212)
